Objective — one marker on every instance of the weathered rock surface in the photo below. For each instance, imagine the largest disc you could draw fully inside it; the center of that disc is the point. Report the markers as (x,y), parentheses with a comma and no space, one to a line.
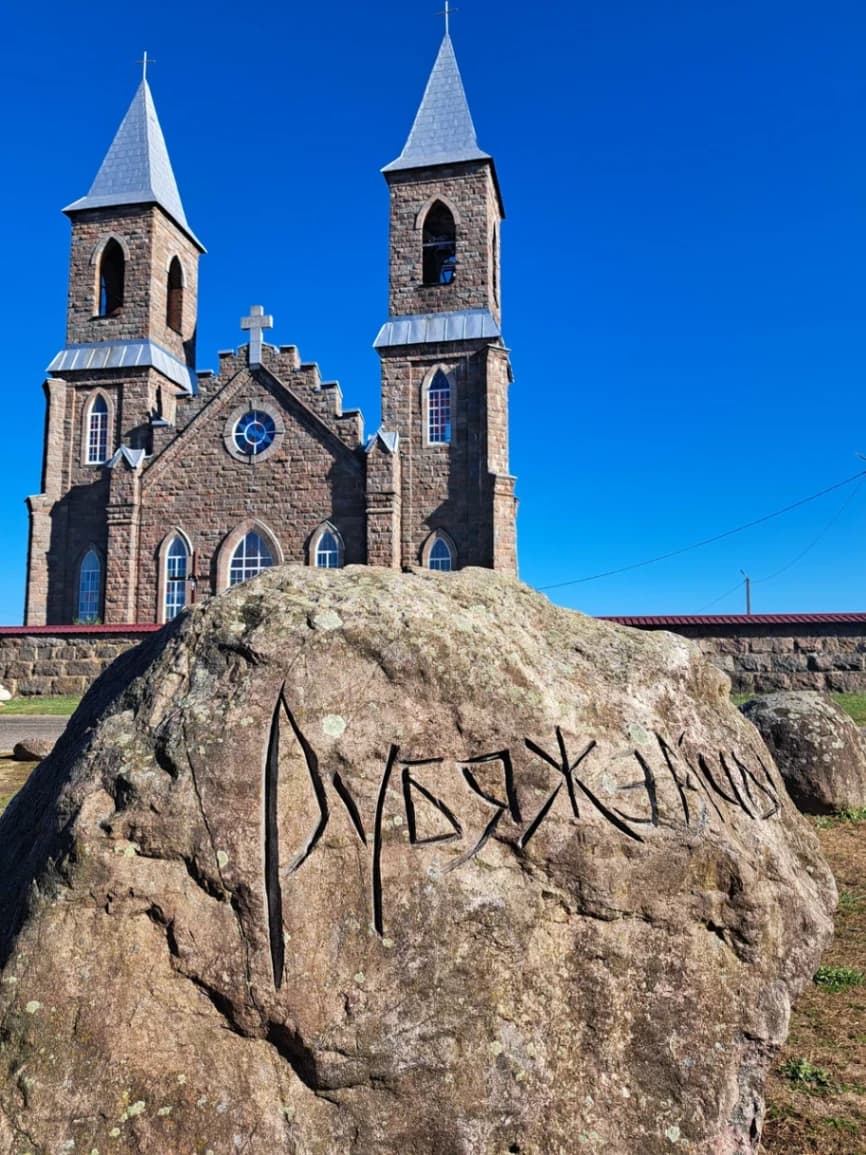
(32,749)
(817,747)
(367,862)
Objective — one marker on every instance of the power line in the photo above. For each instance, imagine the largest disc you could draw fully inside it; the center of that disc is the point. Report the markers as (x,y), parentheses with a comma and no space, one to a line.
(720,598)
(814,542)
(789,565)
(706,540)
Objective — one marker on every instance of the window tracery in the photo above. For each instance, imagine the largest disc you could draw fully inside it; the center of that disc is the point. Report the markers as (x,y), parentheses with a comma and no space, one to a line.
(252,555)
(97,432)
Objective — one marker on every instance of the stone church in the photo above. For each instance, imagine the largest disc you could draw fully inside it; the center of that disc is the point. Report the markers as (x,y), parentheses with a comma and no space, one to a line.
(162,486)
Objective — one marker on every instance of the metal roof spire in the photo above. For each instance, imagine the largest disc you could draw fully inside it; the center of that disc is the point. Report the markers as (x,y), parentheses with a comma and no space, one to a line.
(136,169)
(443,132)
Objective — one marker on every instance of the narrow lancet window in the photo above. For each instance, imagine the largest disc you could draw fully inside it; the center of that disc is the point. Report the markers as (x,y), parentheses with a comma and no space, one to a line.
(439,410)
(89,589)
(251,556)
(440,556)
(176,574)
(440,246)
(174,296)
(329,551)
(112,275)
(97,432)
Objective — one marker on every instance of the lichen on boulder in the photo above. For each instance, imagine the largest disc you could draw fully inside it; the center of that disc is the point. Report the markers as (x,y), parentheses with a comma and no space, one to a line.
(358,861)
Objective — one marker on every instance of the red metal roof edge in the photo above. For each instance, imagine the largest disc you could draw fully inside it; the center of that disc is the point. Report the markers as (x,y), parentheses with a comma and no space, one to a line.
(668,621)
(660,622)
(84,631)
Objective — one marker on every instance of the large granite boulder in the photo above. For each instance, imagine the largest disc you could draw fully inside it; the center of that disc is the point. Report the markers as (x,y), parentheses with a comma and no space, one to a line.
(817,747)
(360,862)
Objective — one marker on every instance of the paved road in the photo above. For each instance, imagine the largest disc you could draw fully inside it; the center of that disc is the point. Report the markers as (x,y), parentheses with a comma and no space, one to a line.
(13,730)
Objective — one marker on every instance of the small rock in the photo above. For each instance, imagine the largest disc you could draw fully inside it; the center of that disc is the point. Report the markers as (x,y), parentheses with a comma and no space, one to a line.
(817,747)
(32,749)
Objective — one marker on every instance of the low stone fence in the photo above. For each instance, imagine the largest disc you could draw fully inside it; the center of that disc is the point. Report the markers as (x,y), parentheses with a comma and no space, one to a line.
(759,653)
(60,659)
(765,652)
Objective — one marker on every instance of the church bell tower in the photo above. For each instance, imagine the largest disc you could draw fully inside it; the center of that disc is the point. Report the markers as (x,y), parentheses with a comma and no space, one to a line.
(128,357)
(445,367)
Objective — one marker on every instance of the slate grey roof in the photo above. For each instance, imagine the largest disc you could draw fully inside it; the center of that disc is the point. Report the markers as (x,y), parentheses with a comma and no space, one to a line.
(125,355)
(389,440)
(433,328)
(136,169)
(132,457)
(443,131)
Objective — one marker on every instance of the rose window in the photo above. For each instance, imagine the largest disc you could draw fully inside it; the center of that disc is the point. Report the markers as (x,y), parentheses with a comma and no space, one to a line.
(255,432)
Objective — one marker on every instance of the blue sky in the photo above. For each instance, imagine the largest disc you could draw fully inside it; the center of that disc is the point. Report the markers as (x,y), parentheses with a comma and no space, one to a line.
(684,252)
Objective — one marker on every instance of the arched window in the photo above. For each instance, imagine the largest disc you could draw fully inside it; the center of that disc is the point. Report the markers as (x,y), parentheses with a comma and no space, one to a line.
(328,549)
(89,588)
(174,296)
(251,556)
(439,410)
(440,246)
(176,574)
(112,274)
(440,556)
(97,432)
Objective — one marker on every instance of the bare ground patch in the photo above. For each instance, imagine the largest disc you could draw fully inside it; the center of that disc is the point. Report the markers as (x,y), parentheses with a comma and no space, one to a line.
(13,775)
(816,1095)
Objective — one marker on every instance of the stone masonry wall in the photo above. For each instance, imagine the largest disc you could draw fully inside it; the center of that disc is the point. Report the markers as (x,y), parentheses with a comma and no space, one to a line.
(814,652)
(149,240)
(444,486)
(470,192)
(823,654)
(313,473)
(60,661)
(764,664)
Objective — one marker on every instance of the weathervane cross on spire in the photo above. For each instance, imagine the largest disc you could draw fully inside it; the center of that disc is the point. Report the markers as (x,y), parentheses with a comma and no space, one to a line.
(448,13)
(144,63)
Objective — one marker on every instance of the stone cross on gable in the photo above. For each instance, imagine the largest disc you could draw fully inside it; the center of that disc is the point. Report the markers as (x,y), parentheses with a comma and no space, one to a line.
(256,322)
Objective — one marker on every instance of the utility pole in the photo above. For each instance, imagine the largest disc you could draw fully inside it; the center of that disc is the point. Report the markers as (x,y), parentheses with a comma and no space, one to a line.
(748,591)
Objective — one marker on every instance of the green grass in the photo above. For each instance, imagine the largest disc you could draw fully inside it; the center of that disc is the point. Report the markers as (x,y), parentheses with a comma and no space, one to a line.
(805,1074)
(842,1123)
(61,706)
(850,902)
(853,704)
(835,979)
(850,816)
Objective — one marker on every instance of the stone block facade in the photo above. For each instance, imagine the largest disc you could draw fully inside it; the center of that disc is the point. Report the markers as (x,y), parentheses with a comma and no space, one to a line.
(154,497)
(471,194)
(150,240)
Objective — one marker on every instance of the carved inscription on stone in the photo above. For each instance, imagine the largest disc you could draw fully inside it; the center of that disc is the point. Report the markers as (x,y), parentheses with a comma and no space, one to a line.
(699,783)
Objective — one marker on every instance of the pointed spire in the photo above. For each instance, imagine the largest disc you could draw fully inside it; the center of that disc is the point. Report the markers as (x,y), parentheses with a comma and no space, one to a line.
(443,132)
(136,169)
